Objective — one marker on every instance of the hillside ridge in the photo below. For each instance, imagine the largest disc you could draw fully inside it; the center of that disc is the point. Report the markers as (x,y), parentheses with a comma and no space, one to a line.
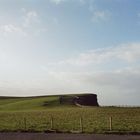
(45,102)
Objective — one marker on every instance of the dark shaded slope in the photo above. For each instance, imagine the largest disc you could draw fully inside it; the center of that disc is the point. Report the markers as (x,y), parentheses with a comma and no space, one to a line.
(81,99)
(87,100)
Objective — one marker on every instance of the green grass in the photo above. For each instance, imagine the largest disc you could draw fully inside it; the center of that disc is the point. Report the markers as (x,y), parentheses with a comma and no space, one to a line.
(32,114)
(32,103)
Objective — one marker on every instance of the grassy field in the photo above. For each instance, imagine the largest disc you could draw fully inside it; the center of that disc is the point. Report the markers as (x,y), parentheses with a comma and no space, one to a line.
(45,113)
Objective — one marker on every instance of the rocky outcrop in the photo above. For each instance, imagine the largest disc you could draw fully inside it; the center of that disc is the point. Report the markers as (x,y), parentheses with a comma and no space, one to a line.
(79,100)
(86,100)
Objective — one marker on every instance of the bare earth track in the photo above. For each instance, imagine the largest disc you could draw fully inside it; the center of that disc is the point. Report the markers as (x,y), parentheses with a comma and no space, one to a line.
(44,136)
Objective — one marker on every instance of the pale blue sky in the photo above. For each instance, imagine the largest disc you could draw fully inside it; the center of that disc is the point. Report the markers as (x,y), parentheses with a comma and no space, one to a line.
(71,46)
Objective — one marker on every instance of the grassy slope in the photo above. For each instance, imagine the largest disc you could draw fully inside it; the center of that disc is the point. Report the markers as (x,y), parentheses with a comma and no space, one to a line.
(21,104)
(13,111)
(30,103)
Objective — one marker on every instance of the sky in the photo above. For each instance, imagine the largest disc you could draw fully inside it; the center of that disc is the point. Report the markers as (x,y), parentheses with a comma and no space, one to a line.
(52,47)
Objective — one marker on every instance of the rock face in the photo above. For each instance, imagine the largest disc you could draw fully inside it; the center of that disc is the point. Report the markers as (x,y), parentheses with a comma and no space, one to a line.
(87,100)
(79,100)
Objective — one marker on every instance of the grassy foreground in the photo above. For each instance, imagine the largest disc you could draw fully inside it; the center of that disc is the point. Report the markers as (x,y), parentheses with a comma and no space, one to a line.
(45,113)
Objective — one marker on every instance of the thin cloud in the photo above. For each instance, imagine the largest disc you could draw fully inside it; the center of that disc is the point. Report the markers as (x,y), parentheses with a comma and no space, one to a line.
(128,53)
(30,18)
(11,28)
(30,24)
(98,16)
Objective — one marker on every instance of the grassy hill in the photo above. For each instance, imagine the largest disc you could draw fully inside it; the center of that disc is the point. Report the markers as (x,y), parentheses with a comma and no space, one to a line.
(38,103)
(49,112)
(28,103)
